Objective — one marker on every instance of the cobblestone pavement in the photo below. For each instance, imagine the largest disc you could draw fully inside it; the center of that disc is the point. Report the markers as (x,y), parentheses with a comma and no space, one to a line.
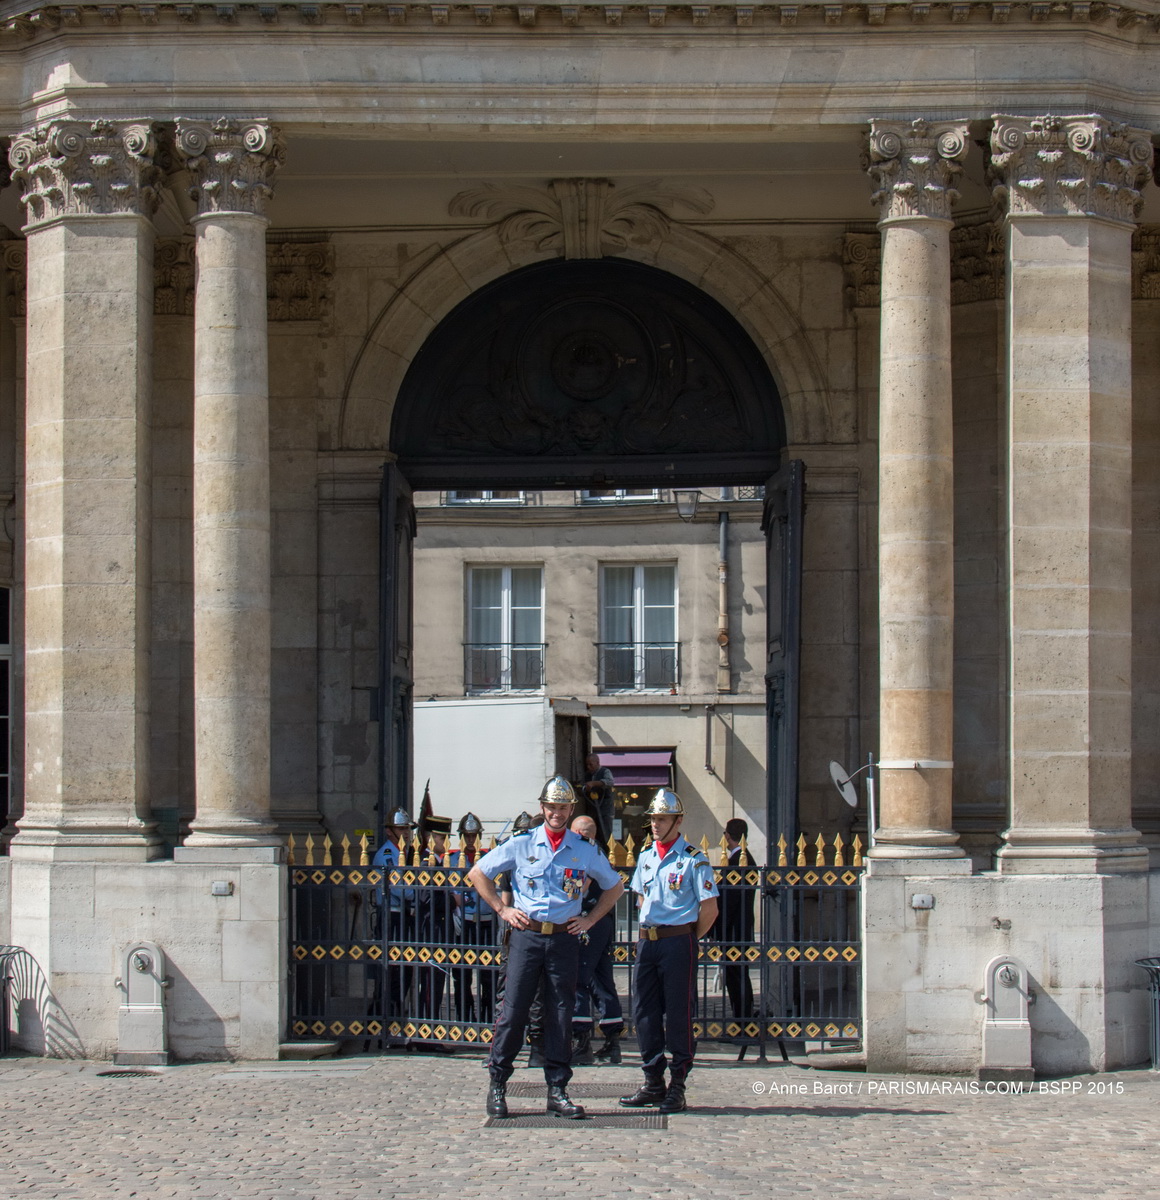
(412,1125)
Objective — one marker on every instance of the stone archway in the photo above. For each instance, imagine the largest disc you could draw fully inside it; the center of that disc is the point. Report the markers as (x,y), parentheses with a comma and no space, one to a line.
(448,275)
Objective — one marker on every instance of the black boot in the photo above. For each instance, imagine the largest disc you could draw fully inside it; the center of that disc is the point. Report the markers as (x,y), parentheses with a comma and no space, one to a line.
(674,1100)
(560,1106)
(582,1055)
(651,1092)
(536,1053)
(610,1051)
(497,1100)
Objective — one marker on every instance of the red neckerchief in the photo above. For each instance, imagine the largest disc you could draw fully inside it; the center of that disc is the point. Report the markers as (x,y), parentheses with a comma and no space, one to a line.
(555,839)
(664,847)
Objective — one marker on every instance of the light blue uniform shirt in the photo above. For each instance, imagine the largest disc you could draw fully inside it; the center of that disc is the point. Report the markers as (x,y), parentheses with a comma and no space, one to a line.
(547,886)
(387,857)
(674,886)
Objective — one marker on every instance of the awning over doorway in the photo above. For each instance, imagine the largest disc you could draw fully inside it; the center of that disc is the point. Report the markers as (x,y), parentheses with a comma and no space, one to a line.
(638,768)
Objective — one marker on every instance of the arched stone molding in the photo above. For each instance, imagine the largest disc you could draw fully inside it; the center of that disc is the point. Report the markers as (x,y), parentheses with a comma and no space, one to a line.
(451,273)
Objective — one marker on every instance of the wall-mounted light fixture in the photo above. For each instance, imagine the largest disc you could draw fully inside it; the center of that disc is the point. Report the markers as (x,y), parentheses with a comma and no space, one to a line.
(686,501)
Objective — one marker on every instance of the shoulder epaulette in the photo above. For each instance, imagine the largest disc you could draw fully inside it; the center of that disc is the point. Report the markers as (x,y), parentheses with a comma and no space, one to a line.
(522,833)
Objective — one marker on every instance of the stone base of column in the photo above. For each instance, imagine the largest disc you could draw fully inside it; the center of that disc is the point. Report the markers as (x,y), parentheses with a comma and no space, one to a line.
(916,865)
(231,836)
(910,844)
(34,843)
(1059,850)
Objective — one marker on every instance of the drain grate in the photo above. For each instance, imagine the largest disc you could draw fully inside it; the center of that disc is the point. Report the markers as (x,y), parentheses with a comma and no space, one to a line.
(127,1074)
(593,1121)
(576,1088)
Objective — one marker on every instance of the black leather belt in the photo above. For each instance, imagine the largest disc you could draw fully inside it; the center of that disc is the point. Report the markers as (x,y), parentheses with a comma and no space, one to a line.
(652,933)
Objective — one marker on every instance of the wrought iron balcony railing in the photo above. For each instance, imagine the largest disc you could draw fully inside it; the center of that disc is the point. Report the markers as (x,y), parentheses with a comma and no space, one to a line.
(638,666)
(503,666)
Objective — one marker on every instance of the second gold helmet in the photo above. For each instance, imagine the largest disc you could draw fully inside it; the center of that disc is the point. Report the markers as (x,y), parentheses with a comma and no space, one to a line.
(665,804)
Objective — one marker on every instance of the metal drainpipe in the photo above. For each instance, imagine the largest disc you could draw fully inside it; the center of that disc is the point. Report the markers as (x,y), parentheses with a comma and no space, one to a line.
(724,668)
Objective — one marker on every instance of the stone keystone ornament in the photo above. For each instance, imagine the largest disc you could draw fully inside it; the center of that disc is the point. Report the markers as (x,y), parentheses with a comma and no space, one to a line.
(97,168)
(1081,166)
(913,166)
(231,163)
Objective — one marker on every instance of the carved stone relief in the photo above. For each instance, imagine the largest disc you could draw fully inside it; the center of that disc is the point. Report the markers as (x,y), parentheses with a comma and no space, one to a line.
(978,261)
(66,168)
(581,218)
(298,278)
(862,264)
(913,166)
(173,277)
(15,276)
(1146,263)
(1069,166)
(231,164)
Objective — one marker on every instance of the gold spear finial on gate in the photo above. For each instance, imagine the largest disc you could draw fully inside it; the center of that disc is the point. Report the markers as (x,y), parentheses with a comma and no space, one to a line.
(310,850)
(857,859)
(801,850)
(364,852)
(782,860)
(839,857)
(345,851)
(290,851)
(820,861)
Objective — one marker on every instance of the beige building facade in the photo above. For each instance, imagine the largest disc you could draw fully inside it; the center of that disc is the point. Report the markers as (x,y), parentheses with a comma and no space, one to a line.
(258,253)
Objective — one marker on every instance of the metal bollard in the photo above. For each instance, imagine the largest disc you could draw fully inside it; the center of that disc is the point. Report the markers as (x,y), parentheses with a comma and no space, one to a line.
(1152,966)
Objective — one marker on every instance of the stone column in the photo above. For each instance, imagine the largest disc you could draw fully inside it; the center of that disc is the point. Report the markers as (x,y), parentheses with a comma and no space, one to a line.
(1072,190)
(89,190)
(913,166)
(230,166)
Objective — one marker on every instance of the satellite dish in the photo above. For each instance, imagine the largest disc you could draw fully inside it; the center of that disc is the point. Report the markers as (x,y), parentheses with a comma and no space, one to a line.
(843,784)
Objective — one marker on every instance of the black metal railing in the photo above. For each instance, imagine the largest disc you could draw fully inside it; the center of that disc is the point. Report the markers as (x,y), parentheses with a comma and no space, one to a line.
(638,666)
(503,666)
(395,957)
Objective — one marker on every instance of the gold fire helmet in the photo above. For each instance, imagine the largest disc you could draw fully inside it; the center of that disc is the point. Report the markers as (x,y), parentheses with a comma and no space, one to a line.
(557,791)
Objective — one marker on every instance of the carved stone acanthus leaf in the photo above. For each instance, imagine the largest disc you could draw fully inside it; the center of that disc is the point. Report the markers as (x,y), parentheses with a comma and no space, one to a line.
(173,277)
(862,264)
(913,165)
(1069,166)
(231,164)
(16,276)
(1146,263)
(67,168)
(978,261)
(582,218)
(298,276)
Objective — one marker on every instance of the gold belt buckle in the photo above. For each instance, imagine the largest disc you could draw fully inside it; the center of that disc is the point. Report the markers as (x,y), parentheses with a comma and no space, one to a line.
(652,933)
(547,927)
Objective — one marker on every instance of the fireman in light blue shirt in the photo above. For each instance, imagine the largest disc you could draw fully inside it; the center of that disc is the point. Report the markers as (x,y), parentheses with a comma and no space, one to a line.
(547,869)
(678,904)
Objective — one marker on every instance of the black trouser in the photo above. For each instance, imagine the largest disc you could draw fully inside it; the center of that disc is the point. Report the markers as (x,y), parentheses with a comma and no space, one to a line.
(595,979)
(475,933)
(532,958)
(739,989)
(663,1002)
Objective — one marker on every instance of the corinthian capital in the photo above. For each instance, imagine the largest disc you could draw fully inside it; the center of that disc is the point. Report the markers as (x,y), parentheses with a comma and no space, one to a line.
(231,163)
(1084,166)
(66,168)
(913,165)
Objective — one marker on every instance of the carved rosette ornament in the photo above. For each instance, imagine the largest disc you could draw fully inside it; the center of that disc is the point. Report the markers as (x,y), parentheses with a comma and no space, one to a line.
(1146,263)
(99,168)
(16,275)
(231,164)
(913,166)
(581,218)
(862,265)
(1080,166)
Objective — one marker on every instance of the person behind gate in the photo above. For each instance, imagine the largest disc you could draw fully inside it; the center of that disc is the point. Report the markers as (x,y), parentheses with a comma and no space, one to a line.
(548,868)
(678,904)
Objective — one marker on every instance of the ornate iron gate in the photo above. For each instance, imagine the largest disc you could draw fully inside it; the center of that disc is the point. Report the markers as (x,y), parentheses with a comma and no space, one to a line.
(404,957)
